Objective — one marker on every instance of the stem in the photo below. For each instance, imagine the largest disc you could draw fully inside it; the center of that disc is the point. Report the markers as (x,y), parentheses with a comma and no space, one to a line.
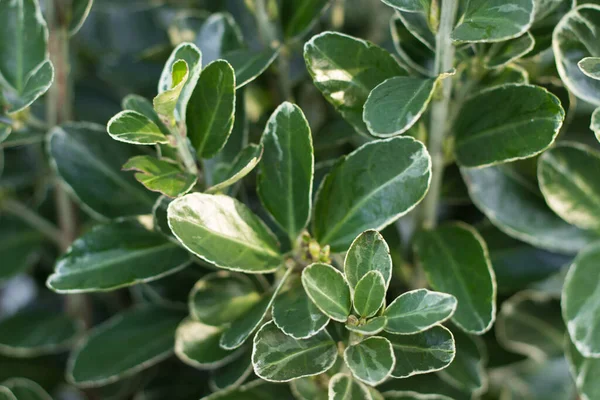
(444,61)
(184,150)
(36,221)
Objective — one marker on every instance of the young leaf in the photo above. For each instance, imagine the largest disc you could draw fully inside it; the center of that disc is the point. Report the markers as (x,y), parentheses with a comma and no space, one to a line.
(32,333)
(222,297)
(245,162)
(166,101)
(197,344)
(210,112)
(371,361)
(346,69)
(132,127)
(493,20)
(89,162)
(25,389)
(161,175)
(568,176)
(115,255)
(371,327)
(277,357)
(328,289)
(517,208)
(581,302)
(422,353)
(525,125)
(295,313)
(368,252)
(223,231)
(354,198)
(467,371)
(297,17)
(396,104)
(503,53)
(585,373)
(248,64)
(125,344)
(369,294)
(418,310)
(344,387)
(286,172)
(456,261)
(590,66)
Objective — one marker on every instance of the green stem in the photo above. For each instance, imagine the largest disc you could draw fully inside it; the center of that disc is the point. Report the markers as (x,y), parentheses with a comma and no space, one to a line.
(36,221)
(184,150)
(444,61)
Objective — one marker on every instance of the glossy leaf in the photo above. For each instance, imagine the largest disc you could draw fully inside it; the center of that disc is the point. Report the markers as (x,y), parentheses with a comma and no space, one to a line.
(346,69)
(32,333)
(232,236)
(591,67)
(328,289)
(409,5)
(467,372)
(295,313)
(524,126)
(493,21)
(243,164)
(585,372)
(371,361)
(280,358)
(516,207)
(344,387)
(456,261)
(372,327)
(132,127)
(422,353)
(502,53)
(418,310)
(297,17)
(210,112)
(286,172)
(248,64)
(395,105)
(161,175)
(369,294)
(353,198)
(166,101)
(197,344)
(115,255)
(141,105)
(125,344)
(368,252)
(26,389)
(568,176)
(84,153)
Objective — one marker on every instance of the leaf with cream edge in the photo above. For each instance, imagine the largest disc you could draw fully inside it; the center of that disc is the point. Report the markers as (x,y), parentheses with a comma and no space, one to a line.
(132,127)
(595,123)
(285,177)
(297,17)
(80,9)
(353,198)
(590,66)
(25,389)
(456,261)
(568,177)
(223,231)
(344,387)
(418,310)
(369,294)
(371,360)
(161,175)
(277,357)
(328,289)
(371,327)
(217,36)
(6,394)
(412,6)
(585,372)
(345,69)
(248,64)
(233,374)
(166,101)
(467,372)
(368,252)
(503,53)
(241,166)
(141,105)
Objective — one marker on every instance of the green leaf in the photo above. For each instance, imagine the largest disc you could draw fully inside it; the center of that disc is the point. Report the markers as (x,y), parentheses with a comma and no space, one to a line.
(369,294)
(368,252)
(171,77)
(590,66)
(210,112)
(328,289)
(241,329)
(585,373)
(354,198)
(132,127)
(116,255)
(418,310)
(467,372)
(19,246)
(25,389)
(298,17)
(277,357)
(371,327)
(503,53)
(248,64)
(232,236)
(575,37)
(523,127)
(89,162)
(422,353)
(233,374)
(417,57)
(6,394)
(456,261)
(254,390)
(568,176)
(241,166)
(25,71)
(218,36)
(413,6)
(346,69)
(161,175)
(222,297)
(295,313)
(197,344)
(166,101)
(371,361)
(581,302)
(396,105)
(419,25)
(344,387)
(517,208)
(80,9)
(493,20)
(125,344)
(595,123)
(286,172)
(31,333)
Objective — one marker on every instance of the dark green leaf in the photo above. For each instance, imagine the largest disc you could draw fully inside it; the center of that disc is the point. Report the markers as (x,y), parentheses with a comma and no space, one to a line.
(344,387)
(80,10)
(503,53)
(585,373)
(218,36)
(132,127)
(19,246)
(368,252)
(328,289)
(369,294)
(409,5)
(6,394)
(248,64)
(371,361)
(467,372)
(297,17)
(241,166)
(25,389)
(233,374)
(590,66)
(161,175)
(371,327)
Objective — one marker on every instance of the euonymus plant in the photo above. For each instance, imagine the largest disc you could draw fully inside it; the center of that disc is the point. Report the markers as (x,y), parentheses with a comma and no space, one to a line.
(300,199)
